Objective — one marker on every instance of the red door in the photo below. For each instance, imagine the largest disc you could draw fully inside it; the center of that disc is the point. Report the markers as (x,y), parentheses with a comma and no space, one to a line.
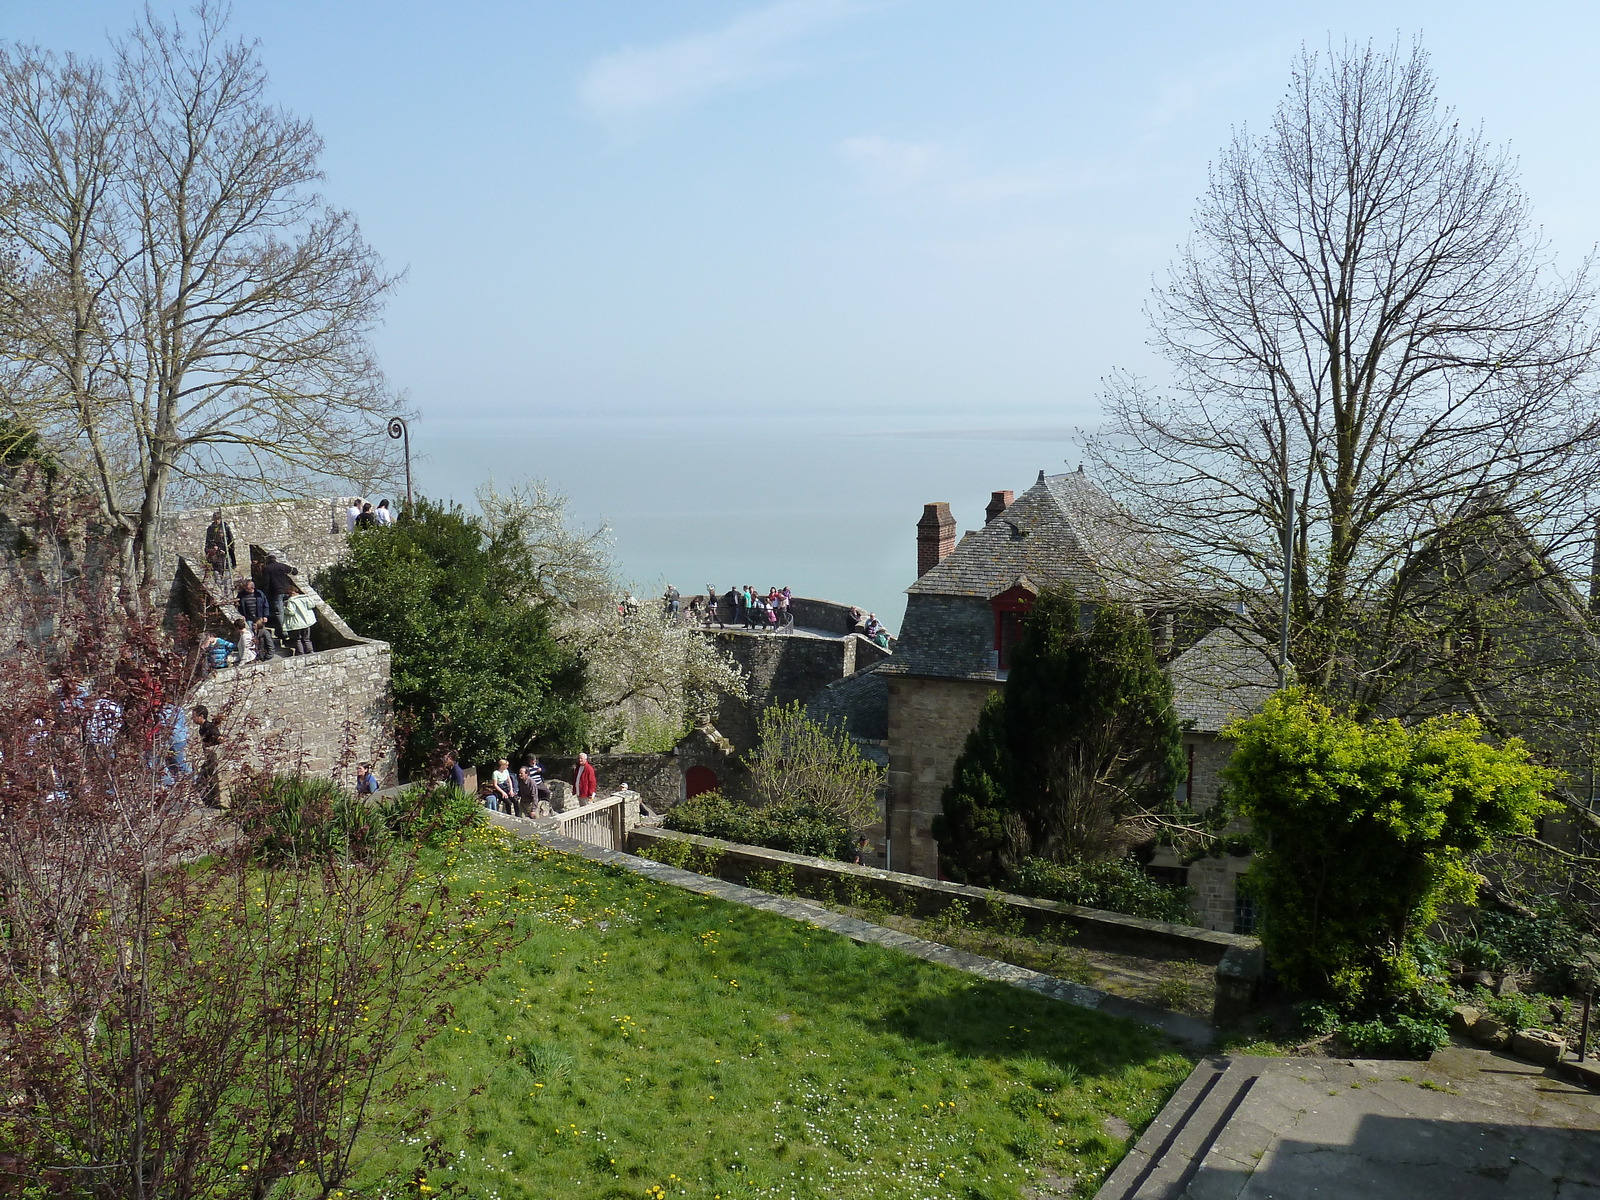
(698,780)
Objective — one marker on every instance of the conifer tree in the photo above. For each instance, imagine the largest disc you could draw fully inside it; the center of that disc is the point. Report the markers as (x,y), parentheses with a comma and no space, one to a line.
(1068,762)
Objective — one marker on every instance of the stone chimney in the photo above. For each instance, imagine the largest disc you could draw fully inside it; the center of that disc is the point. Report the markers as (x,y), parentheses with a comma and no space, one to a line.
(936,536)
(998,503)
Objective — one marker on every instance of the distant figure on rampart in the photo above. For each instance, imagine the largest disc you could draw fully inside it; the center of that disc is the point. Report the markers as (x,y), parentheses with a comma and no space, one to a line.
(384,514)
(220,556)
(277,584)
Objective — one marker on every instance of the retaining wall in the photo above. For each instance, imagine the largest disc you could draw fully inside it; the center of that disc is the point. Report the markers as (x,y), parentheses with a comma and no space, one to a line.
(1238,960)
(322,713)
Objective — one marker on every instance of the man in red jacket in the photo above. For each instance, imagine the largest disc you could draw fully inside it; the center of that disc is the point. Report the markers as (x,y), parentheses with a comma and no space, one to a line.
(583,782)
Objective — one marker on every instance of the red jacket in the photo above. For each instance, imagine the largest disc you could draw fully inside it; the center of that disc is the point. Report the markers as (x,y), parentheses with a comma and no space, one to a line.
(584,782)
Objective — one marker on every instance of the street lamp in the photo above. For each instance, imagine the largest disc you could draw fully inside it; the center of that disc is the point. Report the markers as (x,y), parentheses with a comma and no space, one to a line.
(397,429)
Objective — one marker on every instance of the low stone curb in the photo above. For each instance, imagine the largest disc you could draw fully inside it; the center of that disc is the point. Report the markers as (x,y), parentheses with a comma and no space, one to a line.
(1190,1031)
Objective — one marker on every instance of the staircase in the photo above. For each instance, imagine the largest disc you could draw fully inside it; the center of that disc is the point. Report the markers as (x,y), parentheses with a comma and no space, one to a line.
(1169,1155)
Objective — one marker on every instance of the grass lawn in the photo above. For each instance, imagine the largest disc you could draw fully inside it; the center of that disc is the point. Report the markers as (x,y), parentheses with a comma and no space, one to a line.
(648,1043)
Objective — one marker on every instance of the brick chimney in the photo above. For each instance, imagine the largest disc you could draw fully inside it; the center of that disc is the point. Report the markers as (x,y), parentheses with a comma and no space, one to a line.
(936,536)
(998,503)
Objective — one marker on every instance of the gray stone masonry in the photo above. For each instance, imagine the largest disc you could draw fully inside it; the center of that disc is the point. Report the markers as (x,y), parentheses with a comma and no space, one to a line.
(1193,1033)
(1238,960)
(322,713)
(309,534)
(782,669)
(929,720)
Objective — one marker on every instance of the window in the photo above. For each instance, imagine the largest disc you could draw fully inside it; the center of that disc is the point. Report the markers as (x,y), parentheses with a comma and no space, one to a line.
(1011,609)
(1244,909)
(1183,793)
(1177,877)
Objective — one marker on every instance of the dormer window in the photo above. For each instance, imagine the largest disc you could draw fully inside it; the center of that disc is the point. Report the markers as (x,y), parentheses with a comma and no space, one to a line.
(1011,608)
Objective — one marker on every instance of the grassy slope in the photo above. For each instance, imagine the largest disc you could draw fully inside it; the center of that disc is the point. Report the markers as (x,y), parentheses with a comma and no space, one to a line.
(648,1043)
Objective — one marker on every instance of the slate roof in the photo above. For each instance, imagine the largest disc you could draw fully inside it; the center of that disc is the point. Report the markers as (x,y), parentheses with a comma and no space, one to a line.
(1062,529)
(860,702)
(1224,675)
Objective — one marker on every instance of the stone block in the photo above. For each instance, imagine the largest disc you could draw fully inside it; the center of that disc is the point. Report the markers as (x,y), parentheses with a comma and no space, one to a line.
(1539,1046)
(1463,1018)
(1491,1032)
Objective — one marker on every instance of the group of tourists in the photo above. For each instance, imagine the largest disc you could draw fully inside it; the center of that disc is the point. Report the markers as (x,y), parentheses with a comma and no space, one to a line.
(360,514)
(523,792)
(276,609)
(746,606)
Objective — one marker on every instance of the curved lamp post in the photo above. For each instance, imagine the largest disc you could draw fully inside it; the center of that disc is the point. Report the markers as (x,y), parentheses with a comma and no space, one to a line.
(398,429)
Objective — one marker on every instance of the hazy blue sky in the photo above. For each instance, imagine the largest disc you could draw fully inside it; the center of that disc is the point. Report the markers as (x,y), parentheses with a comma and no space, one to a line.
(897,210)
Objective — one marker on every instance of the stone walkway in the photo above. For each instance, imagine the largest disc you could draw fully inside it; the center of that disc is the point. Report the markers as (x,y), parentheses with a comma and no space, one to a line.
(1469,1124)
(1192,1032)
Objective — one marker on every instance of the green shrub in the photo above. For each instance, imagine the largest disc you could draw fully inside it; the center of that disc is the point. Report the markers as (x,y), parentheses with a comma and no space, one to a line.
(1517,1010)
(1116,885)
(1315,1019)
(1400,1036)
(1547,944)
(430,814)
(795,828)
(307,819)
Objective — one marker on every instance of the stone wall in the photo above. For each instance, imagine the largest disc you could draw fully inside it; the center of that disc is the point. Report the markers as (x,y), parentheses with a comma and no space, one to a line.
(929,720)
(321,713)
(310,534)
(656,778)
(1214,880)
(781,670)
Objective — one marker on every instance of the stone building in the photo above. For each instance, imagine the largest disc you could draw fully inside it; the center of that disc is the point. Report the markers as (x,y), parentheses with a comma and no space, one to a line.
(964,615)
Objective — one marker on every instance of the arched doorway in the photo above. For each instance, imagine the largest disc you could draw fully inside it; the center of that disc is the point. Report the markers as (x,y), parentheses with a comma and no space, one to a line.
(698,780)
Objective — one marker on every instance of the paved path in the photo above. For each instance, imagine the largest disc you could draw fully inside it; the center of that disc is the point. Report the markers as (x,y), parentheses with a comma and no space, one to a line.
(1190,1031)
(1469,1124)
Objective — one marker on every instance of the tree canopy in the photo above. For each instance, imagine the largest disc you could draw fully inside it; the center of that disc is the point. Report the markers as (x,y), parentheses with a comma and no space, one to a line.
(476,666)
(1367,320)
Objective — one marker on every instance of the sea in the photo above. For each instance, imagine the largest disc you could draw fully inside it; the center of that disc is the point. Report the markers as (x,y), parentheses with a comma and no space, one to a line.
(824,505)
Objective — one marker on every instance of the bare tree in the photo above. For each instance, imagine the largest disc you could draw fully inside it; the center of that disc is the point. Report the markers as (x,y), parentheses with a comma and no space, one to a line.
(195,315)
(1365,322)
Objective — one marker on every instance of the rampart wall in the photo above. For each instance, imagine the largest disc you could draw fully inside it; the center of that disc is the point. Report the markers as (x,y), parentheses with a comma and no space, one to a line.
(310,534)
(321,713)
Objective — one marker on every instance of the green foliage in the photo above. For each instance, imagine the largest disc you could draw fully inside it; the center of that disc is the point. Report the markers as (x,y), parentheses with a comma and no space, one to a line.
(796,828)
(1519,1010)
(801,765)
(654,735)
(1546,944)
(305,819)
(977,828)
(1083,740)
(430,814)
(1400,1036)
(1116,885)
(1363,831)
(475,666)
(647,1040)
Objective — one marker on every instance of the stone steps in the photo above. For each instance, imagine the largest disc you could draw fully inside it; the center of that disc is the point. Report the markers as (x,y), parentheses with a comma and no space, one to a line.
(1169,1154)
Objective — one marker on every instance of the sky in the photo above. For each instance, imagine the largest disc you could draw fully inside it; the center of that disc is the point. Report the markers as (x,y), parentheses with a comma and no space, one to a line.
(769,227)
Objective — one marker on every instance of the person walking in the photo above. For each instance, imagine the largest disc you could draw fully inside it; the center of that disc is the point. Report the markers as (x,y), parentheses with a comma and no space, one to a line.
(384,514)
(351,513)
(365,519)
(299,615)
(711,606)
(277,583)
(210,780)
(671,602)
(220,556)
(584,783)
(732,601)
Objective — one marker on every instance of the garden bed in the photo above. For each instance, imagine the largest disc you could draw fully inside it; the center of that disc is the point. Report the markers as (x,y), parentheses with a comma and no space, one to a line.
(646,1042)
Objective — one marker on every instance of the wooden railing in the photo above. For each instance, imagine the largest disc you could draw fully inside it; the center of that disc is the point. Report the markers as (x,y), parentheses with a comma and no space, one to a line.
(601,822)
